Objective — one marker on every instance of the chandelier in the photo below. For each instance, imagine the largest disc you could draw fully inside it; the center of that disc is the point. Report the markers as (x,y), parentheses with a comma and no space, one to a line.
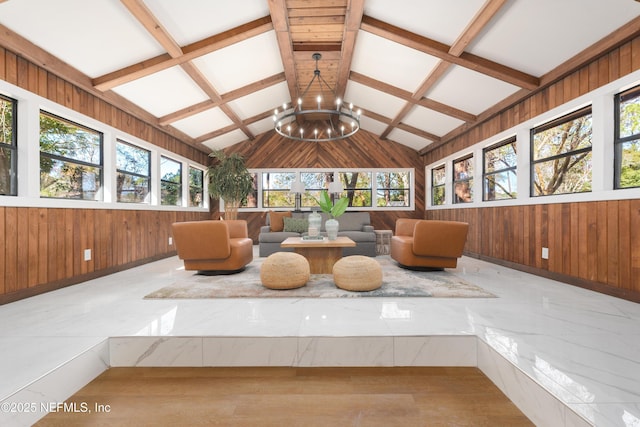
(330,121)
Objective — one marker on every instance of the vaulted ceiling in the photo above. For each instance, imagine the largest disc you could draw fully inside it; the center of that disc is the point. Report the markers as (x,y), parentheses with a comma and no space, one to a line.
(212,72)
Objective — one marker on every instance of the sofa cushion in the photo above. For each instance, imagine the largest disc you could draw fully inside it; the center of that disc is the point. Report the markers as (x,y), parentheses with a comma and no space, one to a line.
(276,236)
(295,225)
(276,220)
(354,221)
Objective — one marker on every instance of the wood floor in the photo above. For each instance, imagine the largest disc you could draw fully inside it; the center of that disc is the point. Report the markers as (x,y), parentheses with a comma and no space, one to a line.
(289,397)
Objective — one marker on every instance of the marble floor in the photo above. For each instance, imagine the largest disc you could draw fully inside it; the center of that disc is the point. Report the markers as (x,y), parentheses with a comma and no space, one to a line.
(566,356)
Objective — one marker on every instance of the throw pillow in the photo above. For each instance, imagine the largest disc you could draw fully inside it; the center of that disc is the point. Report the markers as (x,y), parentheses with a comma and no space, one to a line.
(296,225)
(276,220)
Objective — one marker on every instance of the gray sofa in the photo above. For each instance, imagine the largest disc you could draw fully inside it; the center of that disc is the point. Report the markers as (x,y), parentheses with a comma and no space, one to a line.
(355,225)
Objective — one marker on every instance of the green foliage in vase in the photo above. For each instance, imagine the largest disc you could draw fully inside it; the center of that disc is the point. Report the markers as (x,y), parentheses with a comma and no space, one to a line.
(335,210)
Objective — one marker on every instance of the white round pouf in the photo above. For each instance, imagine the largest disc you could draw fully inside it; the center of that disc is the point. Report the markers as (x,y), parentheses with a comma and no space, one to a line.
(284,270)
(357,273)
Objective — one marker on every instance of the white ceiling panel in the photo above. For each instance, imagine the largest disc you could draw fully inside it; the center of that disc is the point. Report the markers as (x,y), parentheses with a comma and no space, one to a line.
(95,43)
(226,140)
(202,123)
(469,91)
(537,36)
(409,139)
(258,102)
(242,63)
(373,100)
(440,20)
(196,20)
(373,126)
(261,126)
(163,92)
(431,121)
(391,62)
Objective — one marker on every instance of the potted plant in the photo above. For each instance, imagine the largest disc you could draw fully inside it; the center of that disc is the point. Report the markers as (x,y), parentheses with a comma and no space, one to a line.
(334,210)
(229,180)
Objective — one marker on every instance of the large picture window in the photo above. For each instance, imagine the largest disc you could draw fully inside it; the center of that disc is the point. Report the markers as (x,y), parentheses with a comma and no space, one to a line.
(627,139)
(365,189)
(70,159)
(561,155)
(133,172)
(463,180)
(170,182)
(499,176)
(276,189)
(8,147)
(393,189)
(357,187)
(438,185)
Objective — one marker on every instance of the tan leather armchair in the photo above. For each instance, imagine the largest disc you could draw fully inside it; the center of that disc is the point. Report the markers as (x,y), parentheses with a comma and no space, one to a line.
(213,246)
(428,244)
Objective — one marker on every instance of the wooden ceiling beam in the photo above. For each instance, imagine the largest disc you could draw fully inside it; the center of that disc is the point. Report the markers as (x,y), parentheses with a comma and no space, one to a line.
(441,50)
(190,52)
(227,97)
(280,18)
(475,26)
(408,96)
(353,20)
(140,11)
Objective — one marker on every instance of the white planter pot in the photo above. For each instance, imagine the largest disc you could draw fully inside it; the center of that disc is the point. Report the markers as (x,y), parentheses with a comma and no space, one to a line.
(332,226)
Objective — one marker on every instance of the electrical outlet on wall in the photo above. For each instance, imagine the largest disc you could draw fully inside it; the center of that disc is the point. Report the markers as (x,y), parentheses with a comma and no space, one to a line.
(87,254)
(545,253)
(170,241)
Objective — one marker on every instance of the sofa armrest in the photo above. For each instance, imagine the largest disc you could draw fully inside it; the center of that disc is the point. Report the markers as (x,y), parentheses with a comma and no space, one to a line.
(265,229)
(367,228)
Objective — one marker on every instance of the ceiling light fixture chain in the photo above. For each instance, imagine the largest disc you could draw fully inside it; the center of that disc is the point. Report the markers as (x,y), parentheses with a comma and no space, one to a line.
(317,124)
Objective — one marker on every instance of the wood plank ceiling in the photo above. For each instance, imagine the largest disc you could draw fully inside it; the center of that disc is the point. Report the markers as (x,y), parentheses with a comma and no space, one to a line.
(334,28)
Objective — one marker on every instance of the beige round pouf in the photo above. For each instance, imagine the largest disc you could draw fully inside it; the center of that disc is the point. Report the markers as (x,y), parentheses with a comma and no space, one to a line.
(357,273)
(284,270)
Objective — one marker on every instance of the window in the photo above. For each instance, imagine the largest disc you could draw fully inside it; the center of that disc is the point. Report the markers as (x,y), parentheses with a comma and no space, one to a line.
(627,139)
(561,155)
(8,147)
(133,172)
(393,188)
(437,185)
(365,189)
(170,182)
(358,188)
(276,188)
(70,159)
(196,187)
(463,180)
(499,177)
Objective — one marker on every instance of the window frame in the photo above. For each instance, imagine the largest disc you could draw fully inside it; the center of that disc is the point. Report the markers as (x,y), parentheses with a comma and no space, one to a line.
(12,147)
(509,141)
(618,140)
(57,157)
(468,180)
(329,172)
(191,187)
(135,174)
(580,112)
(435,186)
(167,182)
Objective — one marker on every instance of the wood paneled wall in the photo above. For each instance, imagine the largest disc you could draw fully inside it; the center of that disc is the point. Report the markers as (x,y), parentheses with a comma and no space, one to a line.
(591,244)
(363,150)
(41,248)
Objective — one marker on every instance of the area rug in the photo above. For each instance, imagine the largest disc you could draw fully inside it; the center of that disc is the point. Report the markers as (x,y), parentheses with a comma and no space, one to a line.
(396,282)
